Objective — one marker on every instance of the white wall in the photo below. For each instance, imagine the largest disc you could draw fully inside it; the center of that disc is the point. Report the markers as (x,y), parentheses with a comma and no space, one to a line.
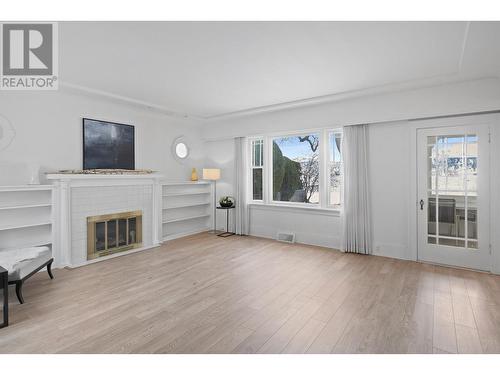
(319,228)
(388,145)
(389,162)
(389,177)
(220,154)
(48,129)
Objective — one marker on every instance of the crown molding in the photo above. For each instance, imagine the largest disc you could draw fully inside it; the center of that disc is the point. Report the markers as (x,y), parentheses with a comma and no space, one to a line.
(452,78)
(67,86)
(353,94)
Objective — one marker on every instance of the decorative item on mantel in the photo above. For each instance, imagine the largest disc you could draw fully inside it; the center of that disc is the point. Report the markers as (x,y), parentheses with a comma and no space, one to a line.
(106,171)
(194,175)
(226,201)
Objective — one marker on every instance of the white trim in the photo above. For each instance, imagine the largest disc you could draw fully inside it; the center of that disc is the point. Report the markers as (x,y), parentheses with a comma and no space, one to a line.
(297,208)
(186,205)
(411,85)
(175,183)
(26,206)
(14,227)
(13,188)
(90,176)
(184,234)
(185,218)
(186,193)
(67,86)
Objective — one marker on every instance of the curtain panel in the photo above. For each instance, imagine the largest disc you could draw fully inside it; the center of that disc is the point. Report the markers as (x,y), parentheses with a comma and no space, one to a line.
(240,173)
(356,225)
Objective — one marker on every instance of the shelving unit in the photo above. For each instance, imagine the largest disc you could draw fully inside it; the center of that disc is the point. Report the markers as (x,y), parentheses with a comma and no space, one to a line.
(26,216)
(187,193)
(187,205)
(25,226)
(186,208)
(185,218)
(25,206)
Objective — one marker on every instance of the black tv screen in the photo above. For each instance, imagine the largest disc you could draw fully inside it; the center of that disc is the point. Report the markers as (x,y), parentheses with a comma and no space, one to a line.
(107,145)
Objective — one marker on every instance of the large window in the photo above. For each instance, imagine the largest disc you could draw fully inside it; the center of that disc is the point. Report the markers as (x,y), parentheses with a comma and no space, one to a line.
(297,169)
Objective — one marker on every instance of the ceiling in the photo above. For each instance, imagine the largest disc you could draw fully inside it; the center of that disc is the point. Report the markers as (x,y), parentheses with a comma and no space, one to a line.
(211,69)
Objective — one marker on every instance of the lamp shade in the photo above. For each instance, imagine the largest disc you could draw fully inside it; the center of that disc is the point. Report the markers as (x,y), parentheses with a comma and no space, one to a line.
(211,173)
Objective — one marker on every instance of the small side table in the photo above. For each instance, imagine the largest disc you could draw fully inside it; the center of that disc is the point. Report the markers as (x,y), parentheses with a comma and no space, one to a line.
(4,284)
(227,233)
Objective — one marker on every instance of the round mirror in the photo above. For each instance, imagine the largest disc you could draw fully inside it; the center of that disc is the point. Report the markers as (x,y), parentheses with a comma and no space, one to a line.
(181,150)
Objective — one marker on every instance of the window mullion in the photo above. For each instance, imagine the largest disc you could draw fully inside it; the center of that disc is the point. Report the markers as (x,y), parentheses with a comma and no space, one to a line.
(267,170)
(323,161)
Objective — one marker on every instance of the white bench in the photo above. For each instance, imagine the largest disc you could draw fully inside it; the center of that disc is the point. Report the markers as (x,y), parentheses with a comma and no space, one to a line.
(23,263)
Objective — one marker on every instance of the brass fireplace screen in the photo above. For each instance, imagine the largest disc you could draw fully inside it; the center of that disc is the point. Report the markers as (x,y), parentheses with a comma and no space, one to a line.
(109,234)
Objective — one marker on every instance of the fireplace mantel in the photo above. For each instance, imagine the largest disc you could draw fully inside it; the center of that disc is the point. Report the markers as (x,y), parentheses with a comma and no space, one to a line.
(89,179)
(78,196)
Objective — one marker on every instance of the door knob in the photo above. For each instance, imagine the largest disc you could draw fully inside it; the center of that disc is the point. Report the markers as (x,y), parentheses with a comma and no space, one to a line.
(421,204)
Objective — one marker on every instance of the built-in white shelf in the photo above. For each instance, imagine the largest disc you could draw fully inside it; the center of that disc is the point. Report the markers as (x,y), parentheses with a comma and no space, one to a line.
(185,208)
(185,218)
(186,193)
(26,216)
(186,205)
(25,206)
(177,183)
(26,188)
(25,226)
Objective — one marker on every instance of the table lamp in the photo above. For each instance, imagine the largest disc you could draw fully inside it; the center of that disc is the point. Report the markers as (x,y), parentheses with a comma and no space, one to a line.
(213,174)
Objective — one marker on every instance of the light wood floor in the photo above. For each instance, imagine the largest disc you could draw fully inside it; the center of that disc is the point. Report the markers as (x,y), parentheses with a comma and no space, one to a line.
(205,294)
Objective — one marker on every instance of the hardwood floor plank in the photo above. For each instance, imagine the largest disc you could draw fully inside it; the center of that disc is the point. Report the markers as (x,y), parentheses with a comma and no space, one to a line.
(468,340)
(304,338)
(206,294)
(280,339)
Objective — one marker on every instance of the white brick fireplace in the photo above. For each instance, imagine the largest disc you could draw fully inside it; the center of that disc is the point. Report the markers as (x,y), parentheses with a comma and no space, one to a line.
(80,196)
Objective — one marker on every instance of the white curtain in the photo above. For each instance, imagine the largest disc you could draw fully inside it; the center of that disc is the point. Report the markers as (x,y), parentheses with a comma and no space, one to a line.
(356,218)
(240,173)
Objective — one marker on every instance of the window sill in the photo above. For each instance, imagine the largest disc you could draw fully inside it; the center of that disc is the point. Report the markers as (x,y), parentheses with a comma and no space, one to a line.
(335,212)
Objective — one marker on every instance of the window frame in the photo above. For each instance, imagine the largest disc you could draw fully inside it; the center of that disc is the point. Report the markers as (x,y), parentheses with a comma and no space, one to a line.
(267,170)
(271,172)
(327,171)
(252,167)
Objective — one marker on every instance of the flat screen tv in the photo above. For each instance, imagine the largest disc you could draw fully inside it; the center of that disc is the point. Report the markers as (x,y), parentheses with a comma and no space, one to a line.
(107,145)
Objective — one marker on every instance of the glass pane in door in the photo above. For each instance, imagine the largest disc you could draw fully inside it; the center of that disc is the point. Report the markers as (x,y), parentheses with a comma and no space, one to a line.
(452,190)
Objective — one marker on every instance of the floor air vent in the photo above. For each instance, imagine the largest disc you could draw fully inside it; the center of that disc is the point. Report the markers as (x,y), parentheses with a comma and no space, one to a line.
(286,237)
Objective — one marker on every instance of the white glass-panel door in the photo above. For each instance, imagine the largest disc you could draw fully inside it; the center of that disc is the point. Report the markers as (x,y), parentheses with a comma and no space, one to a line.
(453,194)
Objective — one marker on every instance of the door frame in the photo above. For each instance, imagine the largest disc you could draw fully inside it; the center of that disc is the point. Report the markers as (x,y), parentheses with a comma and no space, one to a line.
(494,178)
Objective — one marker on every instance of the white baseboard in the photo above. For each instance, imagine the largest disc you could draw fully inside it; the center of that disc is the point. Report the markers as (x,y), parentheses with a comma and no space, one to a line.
(328,242)
(391,250)
(184,234)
